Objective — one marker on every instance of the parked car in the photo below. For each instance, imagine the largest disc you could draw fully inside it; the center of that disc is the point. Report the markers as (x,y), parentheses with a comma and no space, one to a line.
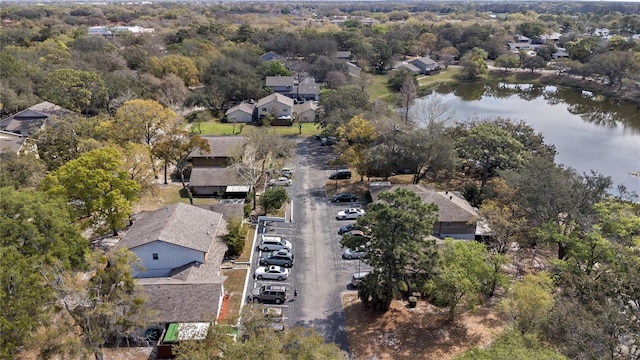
(356,253)
(352,213)
(281,257)
(341,175)
(286,172)
(281,181)
(357,277)
(331,140)
(345,197)
(274,243)
(269,293)
(356,233)
(271,272)
(346,228)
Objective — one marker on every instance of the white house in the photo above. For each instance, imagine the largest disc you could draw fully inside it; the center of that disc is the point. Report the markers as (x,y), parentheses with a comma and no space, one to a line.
(307,111)
(175,236)
(278,105)
(113,30)
(242,113)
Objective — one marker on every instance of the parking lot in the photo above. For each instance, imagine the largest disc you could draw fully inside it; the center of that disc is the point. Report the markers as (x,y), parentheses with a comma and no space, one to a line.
(319,275)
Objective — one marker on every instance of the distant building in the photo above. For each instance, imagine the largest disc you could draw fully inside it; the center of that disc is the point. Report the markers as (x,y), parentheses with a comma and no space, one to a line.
(113,30)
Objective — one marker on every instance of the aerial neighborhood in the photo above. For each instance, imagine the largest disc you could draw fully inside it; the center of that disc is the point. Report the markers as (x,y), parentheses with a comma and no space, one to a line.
(326,180)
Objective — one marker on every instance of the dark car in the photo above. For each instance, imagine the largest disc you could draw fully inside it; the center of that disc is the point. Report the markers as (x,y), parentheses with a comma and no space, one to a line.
(345,229)
(331,140)
(345,197)
(341,174)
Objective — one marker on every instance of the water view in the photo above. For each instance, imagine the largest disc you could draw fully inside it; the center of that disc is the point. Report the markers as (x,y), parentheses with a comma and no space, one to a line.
(590,132)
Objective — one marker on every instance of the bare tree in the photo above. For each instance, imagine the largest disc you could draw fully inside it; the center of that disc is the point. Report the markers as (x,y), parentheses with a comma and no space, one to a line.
(432,112)
(407,96)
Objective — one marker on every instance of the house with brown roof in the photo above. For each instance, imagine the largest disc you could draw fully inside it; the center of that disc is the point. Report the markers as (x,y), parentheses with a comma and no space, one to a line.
(34,118)
(223,149)
(173,237)
(210,181)
(456,217)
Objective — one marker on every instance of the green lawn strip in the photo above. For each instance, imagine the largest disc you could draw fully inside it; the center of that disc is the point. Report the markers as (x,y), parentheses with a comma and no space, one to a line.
(216,128)
(447,76)
(378,88)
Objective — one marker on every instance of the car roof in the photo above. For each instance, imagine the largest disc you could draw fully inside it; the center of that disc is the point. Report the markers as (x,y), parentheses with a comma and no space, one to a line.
(355,233)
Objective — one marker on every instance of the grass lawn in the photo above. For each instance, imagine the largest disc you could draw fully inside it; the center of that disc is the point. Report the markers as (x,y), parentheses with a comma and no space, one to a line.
(443,77)
(169,194)
(214,127)
(378,88)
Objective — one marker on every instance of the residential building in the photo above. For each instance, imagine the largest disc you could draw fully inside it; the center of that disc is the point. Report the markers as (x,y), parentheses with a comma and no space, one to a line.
(307,111)
(222,150)
(456,217)
(212,181)
(32,119)
(278,105)
(114,30)
(425,64)
(241,113)
(280,84)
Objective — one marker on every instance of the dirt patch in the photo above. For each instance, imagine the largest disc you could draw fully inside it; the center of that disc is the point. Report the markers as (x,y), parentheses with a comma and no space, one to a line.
(415,333)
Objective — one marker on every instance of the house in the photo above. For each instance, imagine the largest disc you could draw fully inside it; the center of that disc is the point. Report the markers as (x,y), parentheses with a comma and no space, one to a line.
(560,53)
(307,89)
(223,149)
(175,236)
(407,66)
(307,111)
(280,84)
(210,181)
(521,39)
(353,69)
(114,30)
(456,217)
(34,118)
(12,142)
(270,55)
(278,105)
(425,64)
(242,113)
(345,55)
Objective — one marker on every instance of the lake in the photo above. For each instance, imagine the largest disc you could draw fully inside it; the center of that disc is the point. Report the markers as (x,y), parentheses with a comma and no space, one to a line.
(590,132)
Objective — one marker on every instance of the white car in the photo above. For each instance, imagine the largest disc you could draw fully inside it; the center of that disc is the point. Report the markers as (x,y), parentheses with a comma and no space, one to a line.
(352,213)
(272,272)
(281,181)
(356,253)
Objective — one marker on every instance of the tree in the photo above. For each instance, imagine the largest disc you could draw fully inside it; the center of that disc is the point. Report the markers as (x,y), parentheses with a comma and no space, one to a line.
(275,68)
(20,170)
(98,187)
(354,138)
(138,162)
(507,61)
(463,269)
(489,148)
(407,96)
(513,345)
(273,198)
(531,29)
(172,92)
(473,64)
(340,105)
(505,216)
(582,49)
(235,237)
(533,62)
(37,230)
(398,227)
(174,148)
(179,65)
(448,55)
(141,121)
(105,307)
(615,65)
(78,90)
(528,303)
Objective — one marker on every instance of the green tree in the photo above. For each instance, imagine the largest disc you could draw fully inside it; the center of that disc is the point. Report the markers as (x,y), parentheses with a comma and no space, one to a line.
(582,49)
(103,308)
(464,267)
(615,65)
(78,90)
(179,65)
(528,303)
(473,64)
(36,230)
(507,61)
(488,148)
(399,227)
(235,237)
(513,345)
(533,62)
(98,186)
(20,170)
(273,198)
(531,29)
(341,104)
(275,68)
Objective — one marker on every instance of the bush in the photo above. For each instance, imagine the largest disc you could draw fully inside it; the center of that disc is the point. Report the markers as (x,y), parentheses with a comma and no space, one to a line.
(273,198)
(247,210)
(236,235)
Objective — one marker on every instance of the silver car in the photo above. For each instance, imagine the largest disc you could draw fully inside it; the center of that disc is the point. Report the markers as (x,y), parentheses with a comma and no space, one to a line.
(356,253)
(272,272)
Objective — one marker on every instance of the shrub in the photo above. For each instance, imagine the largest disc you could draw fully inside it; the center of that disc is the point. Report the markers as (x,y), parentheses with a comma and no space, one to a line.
(236,234)
(273,198)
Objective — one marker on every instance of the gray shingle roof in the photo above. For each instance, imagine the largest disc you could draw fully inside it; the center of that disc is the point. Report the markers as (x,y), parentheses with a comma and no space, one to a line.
(27,121)
(277,97)
(452,207)
(179,224)
(214,176)
(244,107)
(279,81)
(221,146)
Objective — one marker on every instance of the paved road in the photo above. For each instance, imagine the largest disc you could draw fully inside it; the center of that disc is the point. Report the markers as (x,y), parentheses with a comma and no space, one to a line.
(321,275)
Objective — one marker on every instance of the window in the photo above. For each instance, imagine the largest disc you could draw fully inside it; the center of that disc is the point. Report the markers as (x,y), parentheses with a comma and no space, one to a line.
(155,256)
